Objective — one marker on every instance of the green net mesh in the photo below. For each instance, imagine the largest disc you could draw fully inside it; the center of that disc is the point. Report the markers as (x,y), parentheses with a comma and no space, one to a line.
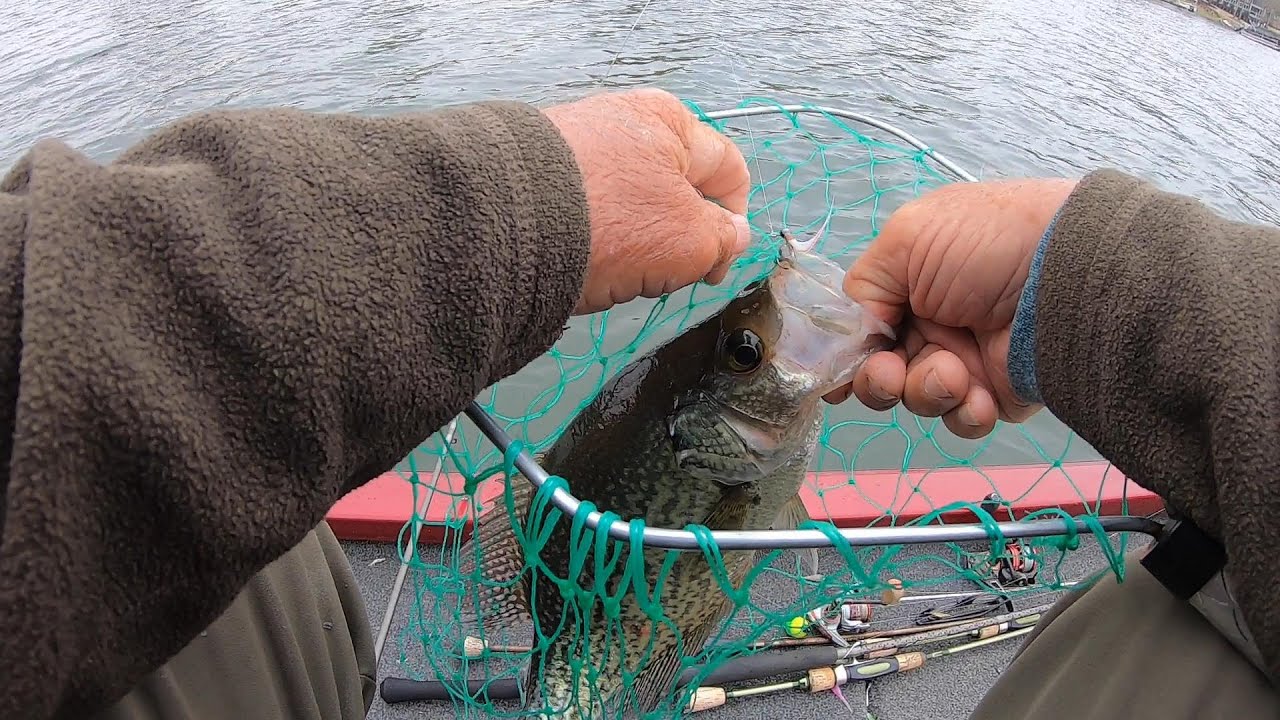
(873,469)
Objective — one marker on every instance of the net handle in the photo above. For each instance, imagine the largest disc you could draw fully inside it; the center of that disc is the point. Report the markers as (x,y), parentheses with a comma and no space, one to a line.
(668,538)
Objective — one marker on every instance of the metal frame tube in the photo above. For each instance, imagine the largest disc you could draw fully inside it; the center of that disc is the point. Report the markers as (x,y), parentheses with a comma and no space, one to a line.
(847,115)
(774,539)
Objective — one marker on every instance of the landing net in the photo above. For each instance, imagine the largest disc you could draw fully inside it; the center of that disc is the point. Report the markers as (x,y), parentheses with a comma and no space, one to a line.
(874,469)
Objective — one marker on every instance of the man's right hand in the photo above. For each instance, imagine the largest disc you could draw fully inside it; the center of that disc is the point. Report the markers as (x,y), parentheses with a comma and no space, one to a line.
(651,171)
(947,271)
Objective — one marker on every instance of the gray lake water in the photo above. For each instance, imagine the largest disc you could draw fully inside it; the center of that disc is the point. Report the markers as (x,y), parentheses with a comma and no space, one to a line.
(1004,89)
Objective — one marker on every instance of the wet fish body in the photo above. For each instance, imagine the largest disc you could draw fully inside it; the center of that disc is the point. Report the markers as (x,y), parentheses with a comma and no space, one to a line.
(717,427)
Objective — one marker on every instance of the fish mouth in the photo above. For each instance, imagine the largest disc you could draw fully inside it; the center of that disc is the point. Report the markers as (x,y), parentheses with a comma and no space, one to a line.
(699,397)
(741,414)
(809,290)
(725,444)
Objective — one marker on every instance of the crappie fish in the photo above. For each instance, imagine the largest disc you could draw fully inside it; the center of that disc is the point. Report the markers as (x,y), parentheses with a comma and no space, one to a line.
(716,427)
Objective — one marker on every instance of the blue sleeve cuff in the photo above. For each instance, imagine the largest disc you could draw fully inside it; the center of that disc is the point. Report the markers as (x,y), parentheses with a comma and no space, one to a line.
(1022,340)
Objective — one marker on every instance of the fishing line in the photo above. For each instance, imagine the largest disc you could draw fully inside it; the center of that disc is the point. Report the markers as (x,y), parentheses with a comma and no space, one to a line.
(751,135)
(394,601)
(625,39)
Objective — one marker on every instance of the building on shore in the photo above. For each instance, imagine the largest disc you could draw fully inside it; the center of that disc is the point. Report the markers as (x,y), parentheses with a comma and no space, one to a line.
(1254,12)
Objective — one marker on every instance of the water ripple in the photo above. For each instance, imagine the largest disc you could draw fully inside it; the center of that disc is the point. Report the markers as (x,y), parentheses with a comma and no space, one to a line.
(1024,87)
(1017,88)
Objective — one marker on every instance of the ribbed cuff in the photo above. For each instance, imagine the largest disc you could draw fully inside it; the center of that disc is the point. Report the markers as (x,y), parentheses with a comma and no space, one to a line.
(1022,340)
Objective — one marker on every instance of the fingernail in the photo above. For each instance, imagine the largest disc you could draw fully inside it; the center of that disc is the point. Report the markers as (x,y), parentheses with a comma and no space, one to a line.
(965,413)
(744,233)
(934,388)
(880,393)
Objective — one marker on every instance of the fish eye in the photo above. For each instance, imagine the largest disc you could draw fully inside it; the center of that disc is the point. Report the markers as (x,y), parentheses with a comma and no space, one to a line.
(743,350)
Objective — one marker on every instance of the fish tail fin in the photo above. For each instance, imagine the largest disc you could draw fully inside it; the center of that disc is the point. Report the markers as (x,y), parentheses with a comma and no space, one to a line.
(494,560)
(790,517)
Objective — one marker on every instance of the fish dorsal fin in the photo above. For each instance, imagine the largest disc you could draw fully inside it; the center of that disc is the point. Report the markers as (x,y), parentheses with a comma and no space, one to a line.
(791,516)
(501,583)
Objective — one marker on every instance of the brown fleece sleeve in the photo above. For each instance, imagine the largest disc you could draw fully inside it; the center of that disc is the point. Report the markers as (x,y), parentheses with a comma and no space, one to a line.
(206,343)
(1158,331)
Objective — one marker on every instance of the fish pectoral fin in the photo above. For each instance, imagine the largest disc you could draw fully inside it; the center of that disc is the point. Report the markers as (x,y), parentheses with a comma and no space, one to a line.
(792,514)
(499,581)
(790,517)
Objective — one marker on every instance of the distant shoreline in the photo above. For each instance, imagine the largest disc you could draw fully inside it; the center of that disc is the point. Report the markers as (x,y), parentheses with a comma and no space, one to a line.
(1210,12)
(1220,16)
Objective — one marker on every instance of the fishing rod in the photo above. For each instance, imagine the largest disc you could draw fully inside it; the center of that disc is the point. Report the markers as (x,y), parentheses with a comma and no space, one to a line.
(747,667)
(940,623)
(938,618)
(821,679)
(754,667)
(474,647)
(835,620)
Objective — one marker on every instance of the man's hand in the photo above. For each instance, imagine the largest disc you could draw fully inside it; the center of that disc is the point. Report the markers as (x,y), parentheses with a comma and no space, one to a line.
(948,270)
(651,170)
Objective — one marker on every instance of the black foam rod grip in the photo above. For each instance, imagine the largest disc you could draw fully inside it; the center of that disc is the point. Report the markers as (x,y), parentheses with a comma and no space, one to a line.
(398,690)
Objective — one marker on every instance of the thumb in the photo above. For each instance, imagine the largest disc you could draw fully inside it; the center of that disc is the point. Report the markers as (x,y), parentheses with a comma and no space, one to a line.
(714,165)
(727,235)
(878,279)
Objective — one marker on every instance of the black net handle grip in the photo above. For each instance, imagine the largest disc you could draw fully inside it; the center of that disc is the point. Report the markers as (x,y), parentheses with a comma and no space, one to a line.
(398,690)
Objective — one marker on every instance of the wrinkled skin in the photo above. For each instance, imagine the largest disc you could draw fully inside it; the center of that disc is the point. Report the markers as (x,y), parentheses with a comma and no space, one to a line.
(947,270)
(650,171)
